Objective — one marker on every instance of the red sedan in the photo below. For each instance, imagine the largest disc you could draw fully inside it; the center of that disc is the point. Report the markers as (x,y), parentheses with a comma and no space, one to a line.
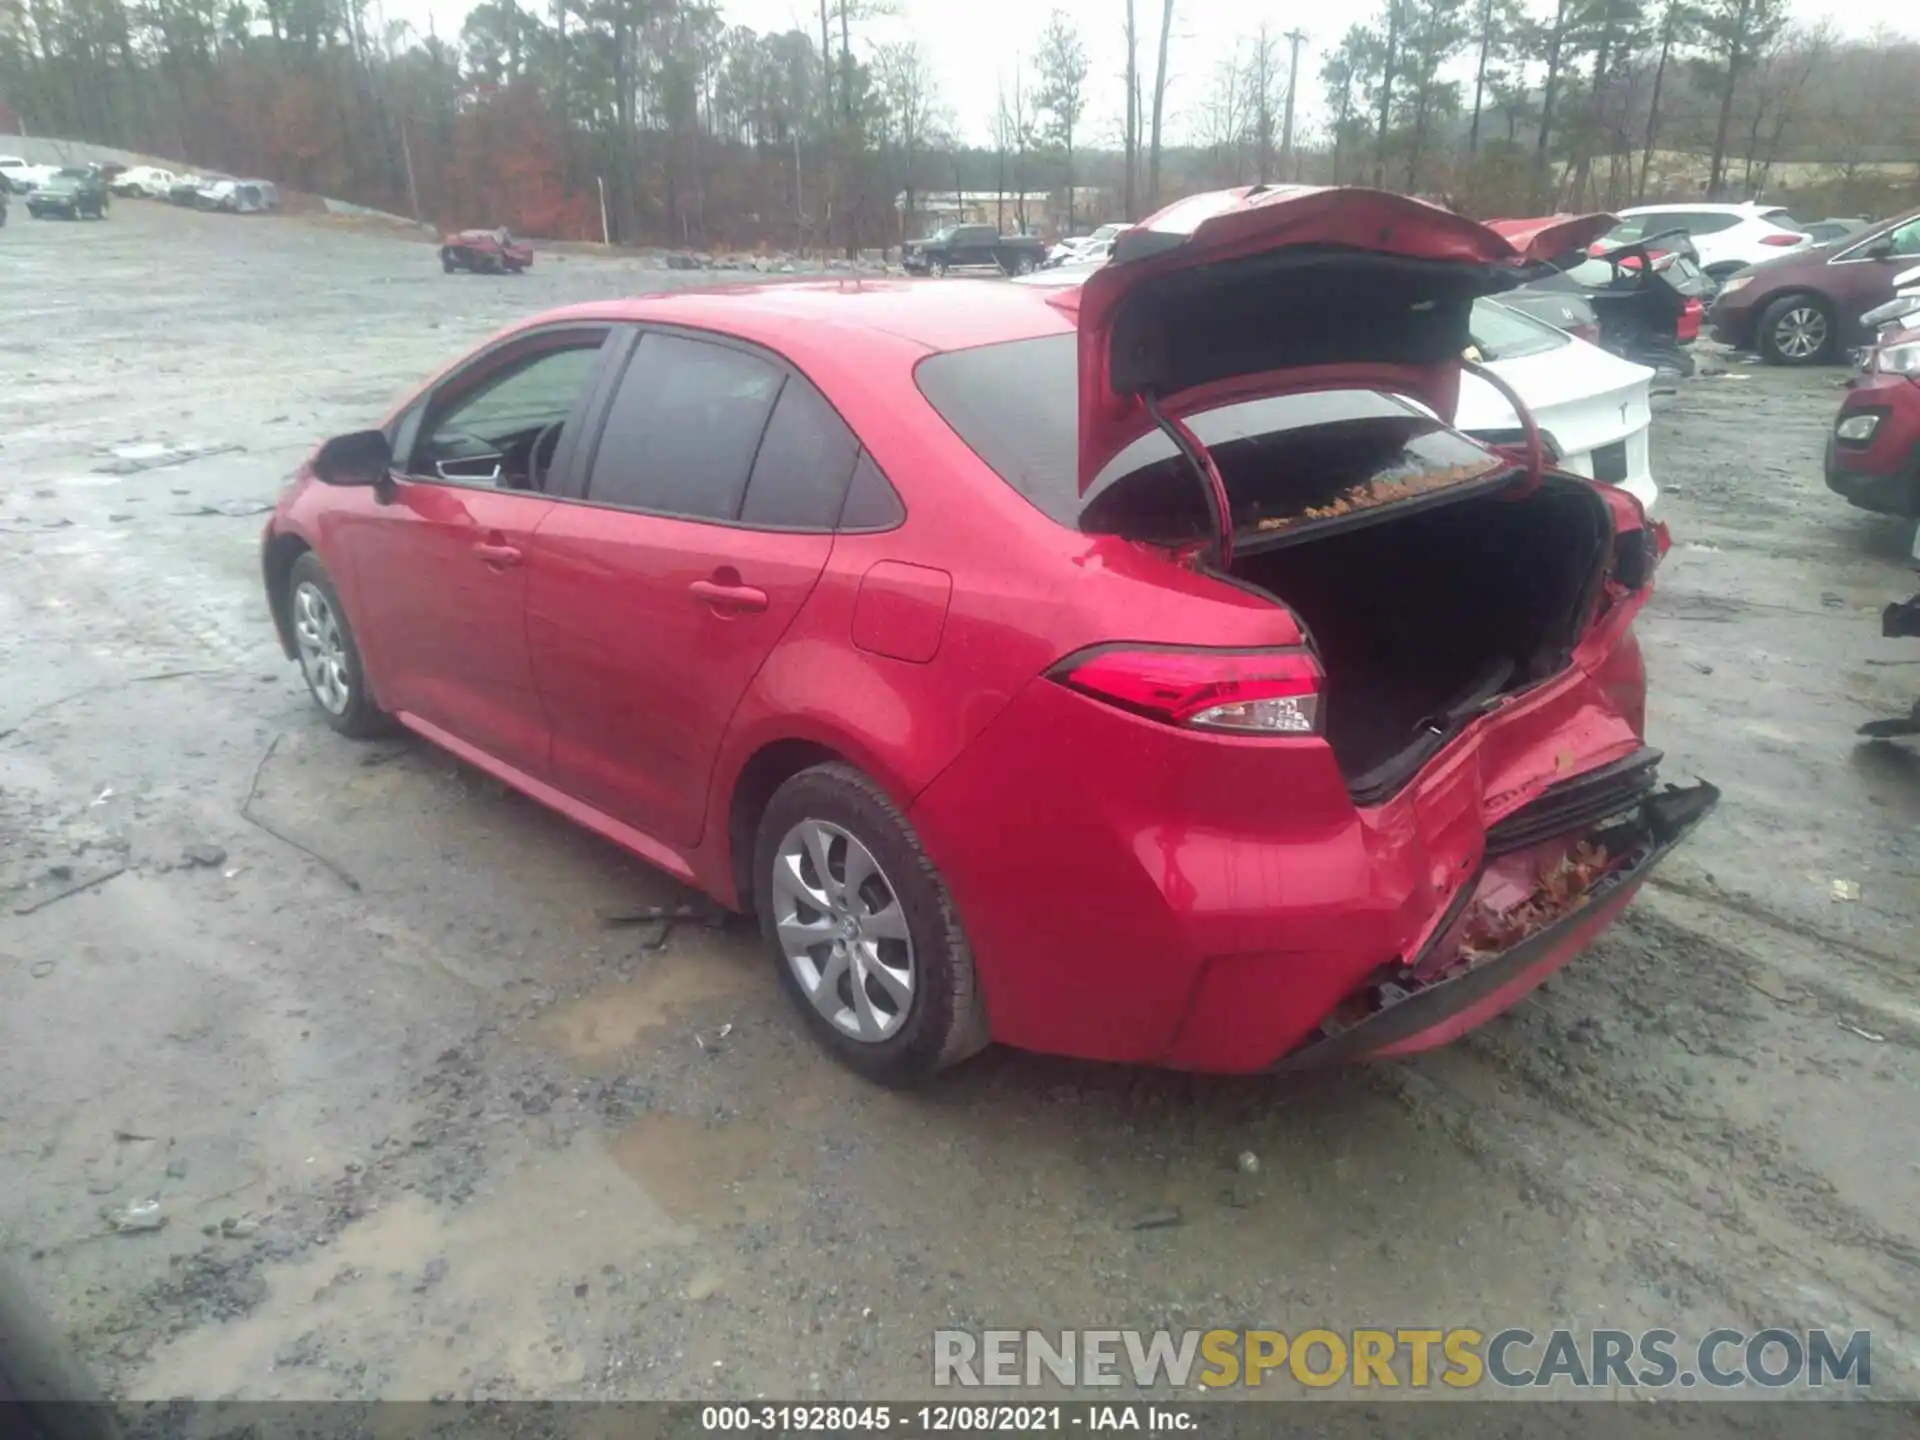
(1873,453)
(486,252)
(1138,670)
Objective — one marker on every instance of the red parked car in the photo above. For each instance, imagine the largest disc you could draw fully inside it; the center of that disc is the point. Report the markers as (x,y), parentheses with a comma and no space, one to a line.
(1873,450)
(1138,671)
(485,252)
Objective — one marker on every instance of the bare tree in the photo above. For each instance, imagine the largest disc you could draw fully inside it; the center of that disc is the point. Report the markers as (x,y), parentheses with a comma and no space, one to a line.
(1003,129)
(1159,106)
(1263,97)
(1733,32)
(1496,24)
(1343,73)
(907,90)
(1022,117)
(1224,120)
(1389,59)
(1676,28)
(1062,92)
(1131,143)
(1552,41)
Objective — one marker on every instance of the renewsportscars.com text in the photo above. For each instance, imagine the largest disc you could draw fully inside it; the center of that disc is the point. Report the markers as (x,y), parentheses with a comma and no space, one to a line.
(1458,1358)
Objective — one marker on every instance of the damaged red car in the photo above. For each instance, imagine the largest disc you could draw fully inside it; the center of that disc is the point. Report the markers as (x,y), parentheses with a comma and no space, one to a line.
(486,252)
(1141,671)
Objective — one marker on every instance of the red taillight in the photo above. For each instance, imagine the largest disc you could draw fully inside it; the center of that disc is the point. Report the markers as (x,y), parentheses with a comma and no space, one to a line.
(1588,333)
(1690,317)
(1781,240)
(1243,692)
(1662,260)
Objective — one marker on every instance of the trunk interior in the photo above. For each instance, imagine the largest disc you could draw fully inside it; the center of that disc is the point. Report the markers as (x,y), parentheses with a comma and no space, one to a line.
(1421,618)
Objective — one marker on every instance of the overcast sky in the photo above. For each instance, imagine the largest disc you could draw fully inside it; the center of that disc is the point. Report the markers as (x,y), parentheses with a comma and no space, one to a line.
(973,43)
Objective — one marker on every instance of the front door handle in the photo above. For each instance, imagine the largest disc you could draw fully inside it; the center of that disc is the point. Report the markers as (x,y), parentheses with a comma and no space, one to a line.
(497,555)
(729,597)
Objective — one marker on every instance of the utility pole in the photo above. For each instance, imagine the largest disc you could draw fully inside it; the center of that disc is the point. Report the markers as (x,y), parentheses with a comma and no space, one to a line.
(1295,38)
(406,153)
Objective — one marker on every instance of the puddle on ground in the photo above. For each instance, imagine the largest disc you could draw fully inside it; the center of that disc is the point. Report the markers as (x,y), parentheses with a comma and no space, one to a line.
(713,1174)
(681,986)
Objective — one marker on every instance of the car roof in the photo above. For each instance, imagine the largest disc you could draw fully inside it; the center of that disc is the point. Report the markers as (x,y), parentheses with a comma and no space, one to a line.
(1745,207)
(929,315)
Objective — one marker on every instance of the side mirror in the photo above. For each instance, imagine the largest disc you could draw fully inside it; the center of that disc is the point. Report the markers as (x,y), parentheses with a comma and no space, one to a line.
(1881,249)
(363,458)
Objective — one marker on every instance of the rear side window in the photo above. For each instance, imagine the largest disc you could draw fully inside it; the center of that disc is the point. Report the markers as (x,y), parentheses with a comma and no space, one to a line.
(684,429)
(1695,223)
(1503,334)
(800,478)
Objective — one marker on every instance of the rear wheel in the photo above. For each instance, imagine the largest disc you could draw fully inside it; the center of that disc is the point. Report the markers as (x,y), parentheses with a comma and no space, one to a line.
(1796,330)
(1023,265)
(863,929)
(329,656)
(447,262)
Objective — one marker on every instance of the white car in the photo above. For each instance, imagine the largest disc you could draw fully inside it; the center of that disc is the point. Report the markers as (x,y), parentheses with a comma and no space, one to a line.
(1085,249)
(1728,237)
(22,176)
(1594,410)
(148,180)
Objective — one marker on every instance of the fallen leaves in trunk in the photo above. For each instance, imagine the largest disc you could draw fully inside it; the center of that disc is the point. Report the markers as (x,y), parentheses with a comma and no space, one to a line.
(1562,888)
(1382,490)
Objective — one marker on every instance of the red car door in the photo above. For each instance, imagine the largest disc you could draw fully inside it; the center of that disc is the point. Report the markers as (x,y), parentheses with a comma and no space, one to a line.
(709,509)
(440,570)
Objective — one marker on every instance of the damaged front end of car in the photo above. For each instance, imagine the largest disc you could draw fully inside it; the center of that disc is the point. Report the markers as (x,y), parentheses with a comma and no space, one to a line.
(1554,874)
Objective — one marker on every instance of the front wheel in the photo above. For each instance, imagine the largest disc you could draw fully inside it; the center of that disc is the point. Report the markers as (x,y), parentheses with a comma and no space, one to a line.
(447,262)
(937,269)
(1023,265)
(863,929)
(1796,330)
(328,653)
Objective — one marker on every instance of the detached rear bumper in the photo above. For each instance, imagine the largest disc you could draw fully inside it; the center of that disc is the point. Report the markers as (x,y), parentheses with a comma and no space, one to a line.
(1407,1011)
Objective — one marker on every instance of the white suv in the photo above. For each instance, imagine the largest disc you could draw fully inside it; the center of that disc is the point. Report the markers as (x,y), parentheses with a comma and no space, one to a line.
(1728,237)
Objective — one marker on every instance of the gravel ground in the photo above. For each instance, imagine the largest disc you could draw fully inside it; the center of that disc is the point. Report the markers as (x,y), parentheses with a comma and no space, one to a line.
(419,1123)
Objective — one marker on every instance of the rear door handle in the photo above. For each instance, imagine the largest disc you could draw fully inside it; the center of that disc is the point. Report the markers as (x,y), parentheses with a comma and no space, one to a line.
(498,555)
(729,597)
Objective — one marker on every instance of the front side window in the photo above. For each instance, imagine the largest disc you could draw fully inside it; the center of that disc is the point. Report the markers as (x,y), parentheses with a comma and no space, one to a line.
(684,429)
(502,426)
(1906,239)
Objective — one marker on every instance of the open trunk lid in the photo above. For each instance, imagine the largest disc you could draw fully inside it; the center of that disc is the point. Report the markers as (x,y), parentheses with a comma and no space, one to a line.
(1254,292)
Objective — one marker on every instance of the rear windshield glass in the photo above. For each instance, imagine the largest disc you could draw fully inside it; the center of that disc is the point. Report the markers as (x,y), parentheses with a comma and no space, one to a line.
(1287,461)
(1503,334)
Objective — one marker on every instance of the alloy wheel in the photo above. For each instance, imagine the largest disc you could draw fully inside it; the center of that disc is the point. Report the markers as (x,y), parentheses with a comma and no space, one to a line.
(843,931)
(1801,333)
(323,651)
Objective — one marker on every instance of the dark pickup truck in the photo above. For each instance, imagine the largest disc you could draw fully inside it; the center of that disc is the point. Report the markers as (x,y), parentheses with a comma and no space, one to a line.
(959,245)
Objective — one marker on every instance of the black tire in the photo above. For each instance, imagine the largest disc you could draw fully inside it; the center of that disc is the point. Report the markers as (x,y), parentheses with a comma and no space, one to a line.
(946,1019)
(1023,265)
(1788,325)
(447,262)
(358,717)
(937,269)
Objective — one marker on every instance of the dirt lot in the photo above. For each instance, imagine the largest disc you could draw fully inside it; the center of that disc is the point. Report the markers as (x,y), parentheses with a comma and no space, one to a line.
(420,1123)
